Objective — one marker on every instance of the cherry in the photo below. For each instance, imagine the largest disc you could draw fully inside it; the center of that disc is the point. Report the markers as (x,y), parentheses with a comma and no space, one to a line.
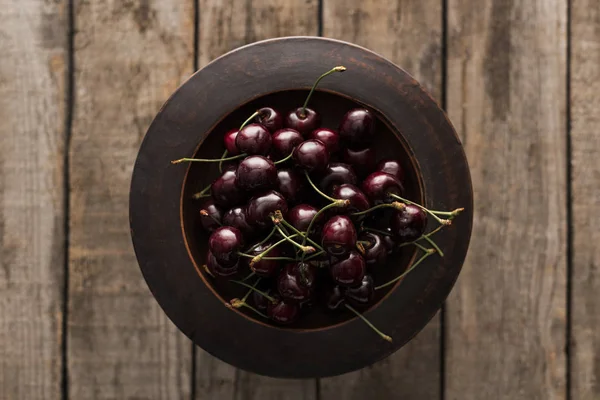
(389,242)
(338,235)
(256,173)
(334,298)
(337,174)
(357,128)
(358,200)
(260,301)
(265,267)
(217,269)
(392,167)
(225,243)
(311,155)
(283,312)
(269,118)
(238,218)
(301,215)
(329,137)
(295,282)
(379,185)
(290,184)
(254,139)
(376,251)
(261,207)
(363,294)
(209,221)
(349,271)
(225,190)
(409,223)
(229,165)
(363,161)
(284,141)
(229,140)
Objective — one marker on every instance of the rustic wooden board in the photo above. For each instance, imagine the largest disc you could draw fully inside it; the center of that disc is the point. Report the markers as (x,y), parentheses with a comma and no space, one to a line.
(129,57)
(585,145)
(410,34)
(33,44)
(506,318)
(223,26)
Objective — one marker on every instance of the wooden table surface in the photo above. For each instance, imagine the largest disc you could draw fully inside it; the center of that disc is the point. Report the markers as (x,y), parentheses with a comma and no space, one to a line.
(81,80)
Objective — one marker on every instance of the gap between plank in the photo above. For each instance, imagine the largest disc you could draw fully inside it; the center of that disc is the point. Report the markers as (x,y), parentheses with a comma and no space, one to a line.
(569,305)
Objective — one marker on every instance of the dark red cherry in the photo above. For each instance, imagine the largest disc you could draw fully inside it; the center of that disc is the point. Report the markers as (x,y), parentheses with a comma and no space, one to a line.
(290,184)
(269,118)
(238,218)
(261,208)
(334,298)
(295,283)
(208,221)
(254,139)
(338,236)
(230,165)
(225,190)
(349,271)
(357,128)
(256,173)
(409,223)
(329,137)
(392,167)
(283,312)
(363,161)
(284,141)
(311,155)
(379,185)
(363,294)
(389,242)
(264,267)
(303,120)
(224,243)
(358,200)
(376,249)
(260,301)
(336,174)
(218,269)
(229,140)
(301,215)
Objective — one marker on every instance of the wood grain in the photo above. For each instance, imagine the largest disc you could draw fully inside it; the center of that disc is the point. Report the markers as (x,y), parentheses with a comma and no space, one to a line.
(409,34)
(585,146)
(33,44)
(129,57)
(225,25)
(506,318)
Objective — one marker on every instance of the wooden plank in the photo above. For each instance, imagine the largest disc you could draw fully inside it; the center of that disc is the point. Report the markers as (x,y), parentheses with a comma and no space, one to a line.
(33,44)
(506,318)
(129,57)
(225,25)
(409,33)
(585,146)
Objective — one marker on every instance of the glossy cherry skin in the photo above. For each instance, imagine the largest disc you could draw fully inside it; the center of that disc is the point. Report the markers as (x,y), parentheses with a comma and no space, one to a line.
(363,161)
(349,271)
(301,216)
(261,208)
(229,141)
(357,127)
(392,167)
(283,312)
(284,141)
(409,223)
(376,251)
(304,122)
(225,190)
(213,211)
(260,301)
(224,243)
(295,282)
(358,200)
(379,185)
(338,236)
(329,137)
(217,269)
(389,242)
(337,174)
(254,139)
(334,298)
(264,267)
(290,184)
(238,218)
(362,294)
(256,173)
(269,118)
(311,155)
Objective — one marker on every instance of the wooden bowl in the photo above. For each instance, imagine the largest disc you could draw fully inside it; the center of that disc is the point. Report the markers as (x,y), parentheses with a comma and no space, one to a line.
(170,247)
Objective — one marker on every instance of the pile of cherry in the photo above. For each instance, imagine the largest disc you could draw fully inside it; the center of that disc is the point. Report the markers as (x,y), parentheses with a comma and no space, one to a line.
(308,215)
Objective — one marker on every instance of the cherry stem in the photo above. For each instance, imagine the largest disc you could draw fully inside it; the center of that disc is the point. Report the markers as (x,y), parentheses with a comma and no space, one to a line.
(305,249)
(317,189)
(395,204)
(266,296)
(237,303)
(366,228)
(202,193)
(221,161)
(426,236)
(290,226)
(265,239)
(284,159)
(205,268)
(250,275)
(208,159)
(402,275)
(246,122)
(438,219)
(206,214)
(420,246)
(267,258)
(336,203)
(435,246)
(366,321)
(331,71)
(315,255)
(264,253)
(250,291)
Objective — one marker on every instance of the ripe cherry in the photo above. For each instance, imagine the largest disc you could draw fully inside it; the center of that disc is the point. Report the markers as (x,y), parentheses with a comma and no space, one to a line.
(338,235)
(357,128)
(256,173)
(336,174)
(269,118)
(229,141)
(217,269)
(290,184)
(260,301)
(238,218)
(225,190)
(409,223)
(265,267)
(363,161)
(304,120)
(283,312)
(284,141)
(349,271)
(379,185)
(392,167)
(362,294)
(329,137)
(295,282)
(376,249)
(334,298)
(224,244)
(209,221)
(358,200)
(311,155)
(263,206)
(254,139)
(301,215)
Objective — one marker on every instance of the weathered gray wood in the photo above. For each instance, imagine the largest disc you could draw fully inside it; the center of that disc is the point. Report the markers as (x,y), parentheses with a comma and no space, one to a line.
(407,32)
(33,44)
(506,318)
(225,25)
(585,145)
(129,57)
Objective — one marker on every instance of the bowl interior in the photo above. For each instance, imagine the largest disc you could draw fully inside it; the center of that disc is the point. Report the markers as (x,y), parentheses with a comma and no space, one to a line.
(331,106)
